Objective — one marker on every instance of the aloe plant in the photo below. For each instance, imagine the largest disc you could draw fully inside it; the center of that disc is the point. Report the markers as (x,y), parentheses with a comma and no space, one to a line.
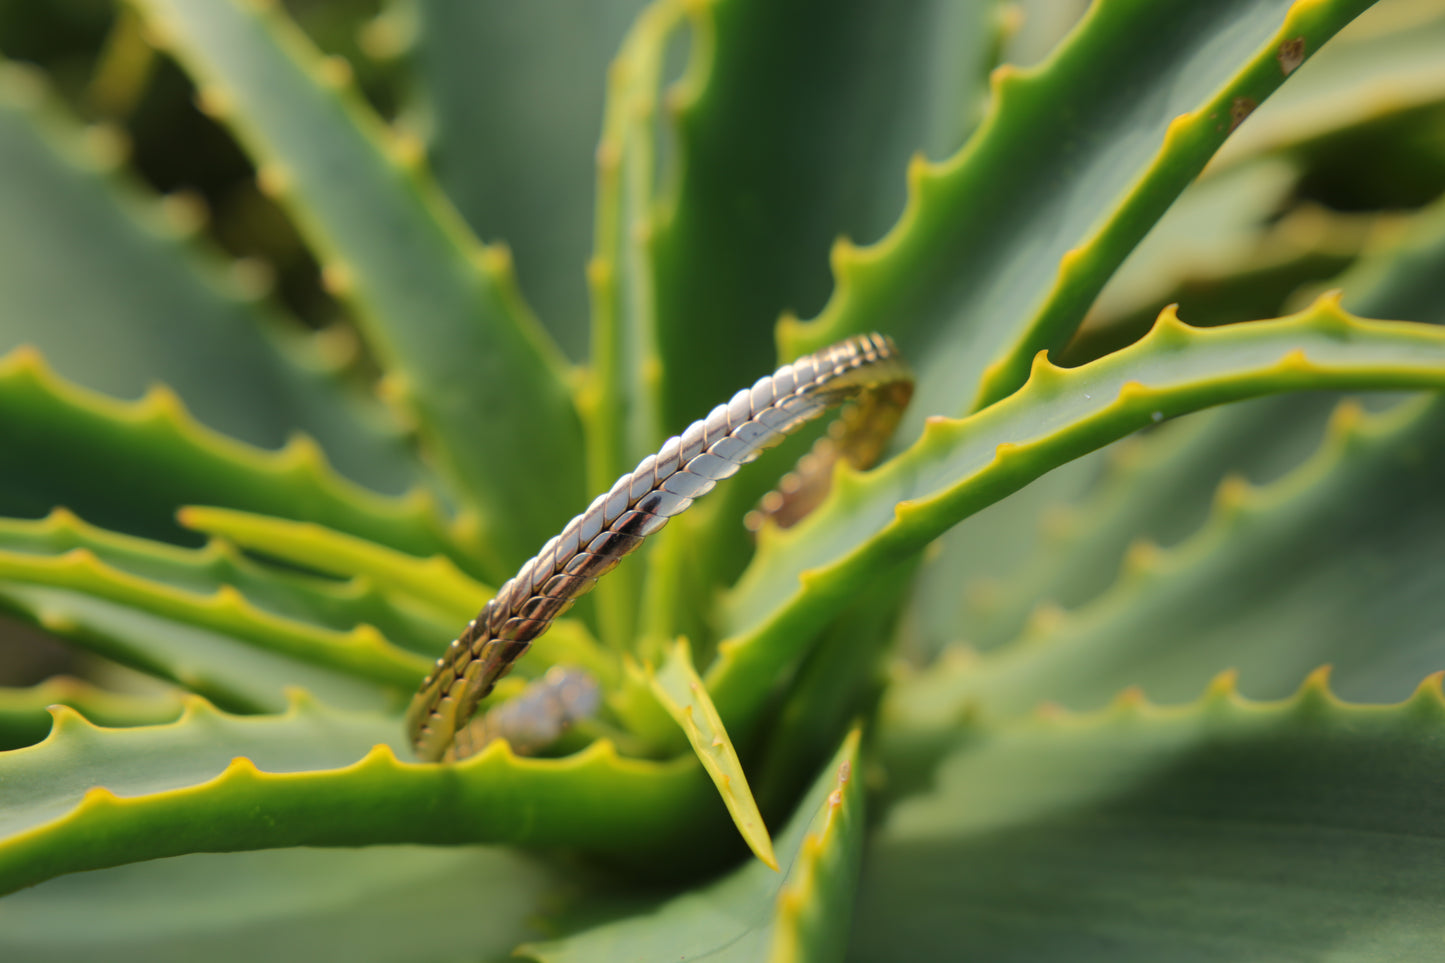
(1053,682)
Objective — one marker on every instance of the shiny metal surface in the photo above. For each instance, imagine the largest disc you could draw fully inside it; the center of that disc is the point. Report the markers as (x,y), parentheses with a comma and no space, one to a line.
(865,370)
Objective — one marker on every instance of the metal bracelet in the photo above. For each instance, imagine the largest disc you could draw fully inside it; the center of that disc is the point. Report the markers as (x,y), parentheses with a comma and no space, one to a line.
(866,370)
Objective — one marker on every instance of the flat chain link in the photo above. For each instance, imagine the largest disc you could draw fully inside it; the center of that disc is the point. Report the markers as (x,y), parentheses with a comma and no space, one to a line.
(866,370)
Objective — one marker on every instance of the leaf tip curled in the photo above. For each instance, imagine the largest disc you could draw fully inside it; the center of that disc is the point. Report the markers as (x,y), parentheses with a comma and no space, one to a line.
(65,721)
(1043,373)
(1168,330)
(1327,313)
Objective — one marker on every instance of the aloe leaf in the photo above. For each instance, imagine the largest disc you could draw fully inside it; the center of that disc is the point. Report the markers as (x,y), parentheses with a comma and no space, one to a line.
(374,905)
(679,689)
(520,167)
(1003,247)
(360,651)
(800,577)
(1404,278)
(331,604)
(1385,63)
(1224,830)
(782,144)
(196,785)
(435,581)
(126,466)
(112,288)
(1159,489)
(441,311)
(1217,220)
(619,403)
(1342,569)
(230,672)
(753,913)
(24,720)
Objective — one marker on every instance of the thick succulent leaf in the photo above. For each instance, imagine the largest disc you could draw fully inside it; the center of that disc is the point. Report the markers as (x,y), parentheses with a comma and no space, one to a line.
(24,720)
(1223,831)
(801,576)
(382,904)
(227,670)
(1387,62)
(1313,568)
(462,351)
(520,167)
(1261,276)
(109,285)
(1003,247)
(679,689)
(434,581)
(205,571)
(620,401)
(127,466)
(1159,488)
(794,125)
(753,913)
(1406,278)
(1216,223)
(360,651)
(87,798)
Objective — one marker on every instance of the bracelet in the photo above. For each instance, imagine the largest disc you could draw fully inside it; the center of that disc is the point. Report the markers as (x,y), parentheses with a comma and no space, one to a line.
(866,370)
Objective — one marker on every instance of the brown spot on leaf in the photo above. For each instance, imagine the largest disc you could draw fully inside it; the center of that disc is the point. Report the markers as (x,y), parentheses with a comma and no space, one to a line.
(1290,55)
(1241,108)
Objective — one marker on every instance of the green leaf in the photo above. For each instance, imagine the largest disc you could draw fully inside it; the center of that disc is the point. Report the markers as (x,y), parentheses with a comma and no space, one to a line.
(801,576)
(753,913)
(110,285)
(435,581)
(442,313)
(1226,830)
(87,798)
(127,466)
(24,720)
(620,400)
(680,690)
(374,905)
(360,651)
(1406,278)
(1386,63)
(228,671)
(1310,569)
(794,125)
(207,570)
(520,167)
(1003,247)
(1159,488)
